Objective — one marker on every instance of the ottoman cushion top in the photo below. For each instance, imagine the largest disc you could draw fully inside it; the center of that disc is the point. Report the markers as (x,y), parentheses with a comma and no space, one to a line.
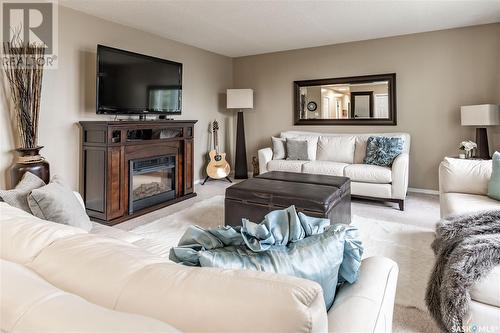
(316,194)
(308,178)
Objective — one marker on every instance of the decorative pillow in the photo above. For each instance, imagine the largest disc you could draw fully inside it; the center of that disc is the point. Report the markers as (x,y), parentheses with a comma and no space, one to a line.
(336,149)
(312,142)
(284,243)
(18,197)
(317,258)
(279,148)
(360,149)
(296,150)
(382,151)
(55,202)
(494,184)
(312,146)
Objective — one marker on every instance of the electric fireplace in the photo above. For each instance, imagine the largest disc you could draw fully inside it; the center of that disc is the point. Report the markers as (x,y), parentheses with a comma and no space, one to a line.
(151,181)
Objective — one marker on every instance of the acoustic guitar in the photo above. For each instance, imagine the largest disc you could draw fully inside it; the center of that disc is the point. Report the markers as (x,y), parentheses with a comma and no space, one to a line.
(218,167)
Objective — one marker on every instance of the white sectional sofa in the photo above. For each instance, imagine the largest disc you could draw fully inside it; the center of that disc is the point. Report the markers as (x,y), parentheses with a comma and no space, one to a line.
(367,181)
(59,278)
(463,185)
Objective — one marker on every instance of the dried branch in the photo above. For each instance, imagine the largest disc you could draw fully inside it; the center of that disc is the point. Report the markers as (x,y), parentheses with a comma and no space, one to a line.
(24,72)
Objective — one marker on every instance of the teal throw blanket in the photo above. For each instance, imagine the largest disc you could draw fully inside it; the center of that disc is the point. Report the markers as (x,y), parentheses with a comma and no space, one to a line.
(285,243)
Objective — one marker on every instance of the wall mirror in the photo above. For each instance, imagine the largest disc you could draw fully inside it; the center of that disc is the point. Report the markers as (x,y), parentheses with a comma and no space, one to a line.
(357,100)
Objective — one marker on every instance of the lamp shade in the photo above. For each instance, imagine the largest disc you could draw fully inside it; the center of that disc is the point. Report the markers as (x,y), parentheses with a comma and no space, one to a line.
(239,98)
(480,115)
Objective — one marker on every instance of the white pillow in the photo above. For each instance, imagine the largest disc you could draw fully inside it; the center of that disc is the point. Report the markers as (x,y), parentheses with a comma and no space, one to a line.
(279,148)
(336,149)
(312,143)
(360,149)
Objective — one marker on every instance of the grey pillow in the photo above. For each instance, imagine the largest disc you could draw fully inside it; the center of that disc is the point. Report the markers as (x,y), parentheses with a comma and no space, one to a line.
(296,150)
(279,148)
(17,197)
(57,203)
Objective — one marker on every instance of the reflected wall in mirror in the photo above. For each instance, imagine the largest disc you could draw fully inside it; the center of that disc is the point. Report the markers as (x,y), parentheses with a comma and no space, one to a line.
(359,100)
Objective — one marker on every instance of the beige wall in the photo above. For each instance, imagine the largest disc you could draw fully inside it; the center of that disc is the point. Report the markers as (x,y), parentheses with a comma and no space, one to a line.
(68,94)
(436,73)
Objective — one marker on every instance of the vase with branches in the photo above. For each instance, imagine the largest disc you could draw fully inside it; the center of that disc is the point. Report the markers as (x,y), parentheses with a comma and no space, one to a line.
(23,67)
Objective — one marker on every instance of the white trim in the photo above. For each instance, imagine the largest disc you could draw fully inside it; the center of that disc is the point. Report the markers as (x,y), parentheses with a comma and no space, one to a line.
(410,189)
(199,181)
(231,175)
(422,190)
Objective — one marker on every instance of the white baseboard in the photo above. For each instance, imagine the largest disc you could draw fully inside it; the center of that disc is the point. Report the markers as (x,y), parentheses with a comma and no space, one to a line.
(231,175)
(410,189)
(422,190)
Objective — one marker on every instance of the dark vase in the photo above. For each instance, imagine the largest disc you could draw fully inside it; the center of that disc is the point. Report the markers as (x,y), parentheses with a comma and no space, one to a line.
(30,160)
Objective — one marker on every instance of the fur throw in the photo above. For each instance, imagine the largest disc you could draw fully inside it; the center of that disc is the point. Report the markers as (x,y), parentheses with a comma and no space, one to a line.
(467,248)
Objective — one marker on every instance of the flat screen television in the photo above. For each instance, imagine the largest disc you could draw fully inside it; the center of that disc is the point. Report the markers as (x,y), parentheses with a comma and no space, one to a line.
(132,83)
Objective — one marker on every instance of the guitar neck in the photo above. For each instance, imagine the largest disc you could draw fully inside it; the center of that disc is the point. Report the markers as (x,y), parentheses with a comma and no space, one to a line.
(216,141)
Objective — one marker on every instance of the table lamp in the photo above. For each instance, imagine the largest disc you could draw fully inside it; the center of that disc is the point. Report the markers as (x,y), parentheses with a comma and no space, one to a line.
(240,99)
(481,116)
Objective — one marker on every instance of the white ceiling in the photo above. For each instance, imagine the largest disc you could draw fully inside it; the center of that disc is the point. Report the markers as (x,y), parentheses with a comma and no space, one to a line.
(238,28)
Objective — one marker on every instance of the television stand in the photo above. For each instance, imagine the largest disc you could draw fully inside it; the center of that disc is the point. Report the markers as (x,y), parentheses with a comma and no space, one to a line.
(135,167)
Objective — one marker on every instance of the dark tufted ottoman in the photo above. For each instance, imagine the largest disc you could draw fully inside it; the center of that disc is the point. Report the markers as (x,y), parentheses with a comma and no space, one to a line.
(314,195)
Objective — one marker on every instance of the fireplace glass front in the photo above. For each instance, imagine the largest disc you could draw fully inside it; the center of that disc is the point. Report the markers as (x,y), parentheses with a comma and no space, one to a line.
(152,181)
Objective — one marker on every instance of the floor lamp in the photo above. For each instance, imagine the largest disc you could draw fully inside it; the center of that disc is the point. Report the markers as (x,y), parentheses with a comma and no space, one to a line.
(240,99)
(481,116)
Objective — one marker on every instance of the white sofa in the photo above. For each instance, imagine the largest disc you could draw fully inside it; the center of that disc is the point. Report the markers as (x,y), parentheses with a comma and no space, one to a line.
(59,278)
(463,185)
(367,181)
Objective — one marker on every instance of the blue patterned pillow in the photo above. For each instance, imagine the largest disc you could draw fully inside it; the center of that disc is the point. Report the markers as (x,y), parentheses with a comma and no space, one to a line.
(382,151)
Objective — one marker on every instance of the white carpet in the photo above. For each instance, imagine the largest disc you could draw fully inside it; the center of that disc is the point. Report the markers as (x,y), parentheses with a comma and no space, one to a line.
(408,245)
(169,229)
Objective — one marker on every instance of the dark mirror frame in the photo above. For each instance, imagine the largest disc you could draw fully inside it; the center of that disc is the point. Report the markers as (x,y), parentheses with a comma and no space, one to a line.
(391,121)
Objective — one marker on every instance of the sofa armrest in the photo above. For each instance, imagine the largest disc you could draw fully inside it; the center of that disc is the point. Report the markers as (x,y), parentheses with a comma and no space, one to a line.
(370,298)
(222,300)
(400,170)
(265,155)
(464,176)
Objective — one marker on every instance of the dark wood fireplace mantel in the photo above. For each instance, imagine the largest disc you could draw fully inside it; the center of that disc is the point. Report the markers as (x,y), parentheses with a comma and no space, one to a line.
(108,147)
